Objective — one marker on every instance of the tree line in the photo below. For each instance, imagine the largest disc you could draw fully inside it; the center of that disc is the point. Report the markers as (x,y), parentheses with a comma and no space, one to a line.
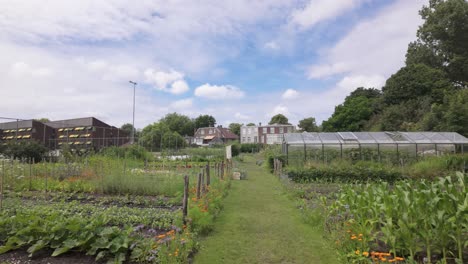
(429,92)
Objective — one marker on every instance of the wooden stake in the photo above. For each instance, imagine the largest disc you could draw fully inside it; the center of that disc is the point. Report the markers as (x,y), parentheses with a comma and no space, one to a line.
(185,199)
(208,180)
(199,185)
(1,187)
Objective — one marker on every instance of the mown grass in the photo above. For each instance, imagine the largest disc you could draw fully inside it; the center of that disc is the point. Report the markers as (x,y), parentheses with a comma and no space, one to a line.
(260,224)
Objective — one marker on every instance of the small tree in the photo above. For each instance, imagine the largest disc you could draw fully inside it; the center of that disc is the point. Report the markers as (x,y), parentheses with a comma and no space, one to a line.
(308,125)
(279,119)
(235,128)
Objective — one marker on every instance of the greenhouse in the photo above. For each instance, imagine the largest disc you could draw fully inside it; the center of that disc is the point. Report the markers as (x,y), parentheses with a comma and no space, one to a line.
(392,147)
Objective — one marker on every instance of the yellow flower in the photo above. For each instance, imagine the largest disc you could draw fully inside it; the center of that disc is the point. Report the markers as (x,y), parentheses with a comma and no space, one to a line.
(357,252)
(365,254)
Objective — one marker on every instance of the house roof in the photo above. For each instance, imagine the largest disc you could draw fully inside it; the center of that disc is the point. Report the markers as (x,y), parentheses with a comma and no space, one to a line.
(226,133)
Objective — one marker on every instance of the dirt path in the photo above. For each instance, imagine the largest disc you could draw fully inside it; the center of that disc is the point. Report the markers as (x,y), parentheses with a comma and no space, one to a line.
(260,224)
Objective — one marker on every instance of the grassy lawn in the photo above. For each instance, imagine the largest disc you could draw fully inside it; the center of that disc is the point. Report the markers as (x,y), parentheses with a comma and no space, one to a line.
(260,224)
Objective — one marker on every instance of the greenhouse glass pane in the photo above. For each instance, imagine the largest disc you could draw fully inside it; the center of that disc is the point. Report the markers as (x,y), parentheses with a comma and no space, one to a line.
(398,137)
(330,138)
(364,137)
(455,137)
(436,137)
(382,137)
(293,138)
(416,137)
(311,138)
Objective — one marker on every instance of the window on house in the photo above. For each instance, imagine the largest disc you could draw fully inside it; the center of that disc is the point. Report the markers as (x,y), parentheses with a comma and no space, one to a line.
(255,139)
(243,139)
(272,130)
(202,132)
(281,130)
(265,130)
(243,131)
(248,139)
(211,131)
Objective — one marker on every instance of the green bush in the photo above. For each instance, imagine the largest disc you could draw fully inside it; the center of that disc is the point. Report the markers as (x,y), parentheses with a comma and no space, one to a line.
(132,151)
(25,150)
(354,173)
(433,167)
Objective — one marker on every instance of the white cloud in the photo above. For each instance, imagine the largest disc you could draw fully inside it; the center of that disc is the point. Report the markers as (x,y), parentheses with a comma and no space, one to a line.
(375,46)
(219,92)
(272,45)
(183,104)
(354,81)
(172,81)
(317,11)
(22,69)
(290,94)
(280,109)
(240,116)
(179,87)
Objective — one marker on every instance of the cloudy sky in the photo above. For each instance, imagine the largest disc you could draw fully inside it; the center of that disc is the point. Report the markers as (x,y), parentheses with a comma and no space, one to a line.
(238,60)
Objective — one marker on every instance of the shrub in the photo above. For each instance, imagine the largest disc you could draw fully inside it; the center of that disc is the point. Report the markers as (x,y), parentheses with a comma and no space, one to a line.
(25,150)
(353,173)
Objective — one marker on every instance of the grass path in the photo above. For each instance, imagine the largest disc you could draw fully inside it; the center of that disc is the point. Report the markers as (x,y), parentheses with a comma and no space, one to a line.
(259,224)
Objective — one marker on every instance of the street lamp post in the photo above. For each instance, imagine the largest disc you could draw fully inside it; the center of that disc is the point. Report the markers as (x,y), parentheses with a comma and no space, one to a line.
(132,135)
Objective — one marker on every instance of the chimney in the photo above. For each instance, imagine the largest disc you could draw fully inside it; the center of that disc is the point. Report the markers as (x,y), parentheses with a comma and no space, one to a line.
(260,124)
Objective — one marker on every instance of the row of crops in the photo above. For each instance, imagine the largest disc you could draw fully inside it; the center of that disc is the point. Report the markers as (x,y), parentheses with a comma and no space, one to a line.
(372,213)
(112,209)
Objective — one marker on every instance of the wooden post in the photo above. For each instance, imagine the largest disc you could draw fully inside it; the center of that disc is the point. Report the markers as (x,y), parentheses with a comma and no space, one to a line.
(208,178)
(1,182)
(199,185)
(203,181)
(185,199)
(46,172)
(222,170)
(30,174)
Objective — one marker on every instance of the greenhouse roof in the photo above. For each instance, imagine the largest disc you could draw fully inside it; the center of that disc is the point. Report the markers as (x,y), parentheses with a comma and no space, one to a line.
(374,138)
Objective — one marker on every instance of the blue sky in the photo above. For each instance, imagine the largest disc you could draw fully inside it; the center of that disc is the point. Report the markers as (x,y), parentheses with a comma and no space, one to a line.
(240,61)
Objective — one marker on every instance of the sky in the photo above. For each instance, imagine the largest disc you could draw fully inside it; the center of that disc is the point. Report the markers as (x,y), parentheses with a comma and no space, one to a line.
(239,60)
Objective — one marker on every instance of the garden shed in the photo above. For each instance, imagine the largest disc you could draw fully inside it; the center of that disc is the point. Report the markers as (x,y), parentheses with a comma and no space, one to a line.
(393,147)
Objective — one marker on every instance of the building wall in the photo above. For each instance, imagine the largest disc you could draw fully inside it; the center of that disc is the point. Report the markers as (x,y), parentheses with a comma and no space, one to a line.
(80,133)
(249,134)
(26,130)
(273,134)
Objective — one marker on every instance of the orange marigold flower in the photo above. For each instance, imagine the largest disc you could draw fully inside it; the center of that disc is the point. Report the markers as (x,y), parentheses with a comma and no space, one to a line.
(365,253)
(357,252)
(353,237)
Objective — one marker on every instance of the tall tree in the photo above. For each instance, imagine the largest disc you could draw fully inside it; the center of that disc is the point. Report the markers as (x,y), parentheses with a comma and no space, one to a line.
(352,115)
(181,124)
(250,124)
(127,128)
(413,82)
(445,33)
(308,125)
(158,136)
(205,121)
(279,119)
(235,128)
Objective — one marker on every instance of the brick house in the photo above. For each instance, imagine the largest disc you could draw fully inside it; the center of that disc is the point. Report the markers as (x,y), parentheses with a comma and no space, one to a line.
(214,135)
(269,134)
